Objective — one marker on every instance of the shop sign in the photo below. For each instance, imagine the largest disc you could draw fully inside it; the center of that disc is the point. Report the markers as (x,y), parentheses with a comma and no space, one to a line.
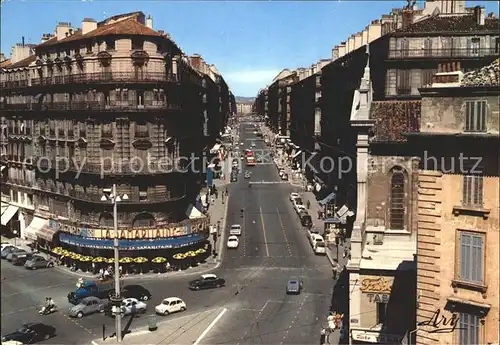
(376,285)
(374,337)
(439,323)
(378,297)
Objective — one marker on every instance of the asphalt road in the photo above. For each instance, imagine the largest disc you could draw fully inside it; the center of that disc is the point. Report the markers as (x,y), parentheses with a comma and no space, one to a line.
(273,248)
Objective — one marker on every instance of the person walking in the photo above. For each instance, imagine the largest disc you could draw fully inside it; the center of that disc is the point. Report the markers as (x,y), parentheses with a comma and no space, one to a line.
(308,204)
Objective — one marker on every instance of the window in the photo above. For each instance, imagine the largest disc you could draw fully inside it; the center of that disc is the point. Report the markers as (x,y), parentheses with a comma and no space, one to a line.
(397,210)
(106,220)
(144,220)
(110,45)
(469,329)
(472,191)
(497,45)
(403,86)
(471,257)
(381,313)
(475,116)
(143,193)
(474,46)
(428,47)
(427,75)
(405,47)
(137,44)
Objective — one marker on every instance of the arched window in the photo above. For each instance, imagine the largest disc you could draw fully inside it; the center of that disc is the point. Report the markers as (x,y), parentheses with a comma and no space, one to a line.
(106,219)
(143,220)
(397,205)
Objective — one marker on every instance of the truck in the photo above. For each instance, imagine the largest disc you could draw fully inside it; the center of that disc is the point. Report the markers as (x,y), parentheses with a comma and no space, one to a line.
(99,289)
(316,241)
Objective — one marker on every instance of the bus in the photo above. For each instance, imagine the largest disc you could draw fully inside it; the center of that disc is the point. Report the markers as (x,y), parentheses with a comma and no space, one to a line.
(250,160)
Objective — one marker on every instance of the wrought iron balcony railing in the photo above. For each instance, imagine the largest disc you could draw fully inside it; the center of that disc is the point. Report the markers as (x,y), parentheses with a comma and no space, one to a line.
(134,198)
(14,84)
(93,106)
(103,78)
(441,53)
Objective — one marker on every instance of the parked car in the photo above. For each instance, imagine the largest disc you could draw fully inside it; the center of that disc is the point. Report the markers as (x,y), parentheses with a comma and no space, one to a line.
(299,208)
(170,305)
(136,291)
(88,305)
(294,196)
(207,281)
(298,201)
(38,261)
(15,251)
(233,242)
(306,220)
(6,251)
(19,259)
(31,333)
(294,286)
(234,177)
(284,177)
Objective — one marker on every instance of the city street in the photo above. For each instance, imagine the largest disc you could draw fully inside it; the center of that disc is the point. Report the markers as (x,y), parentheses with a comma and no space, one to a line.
(273,248)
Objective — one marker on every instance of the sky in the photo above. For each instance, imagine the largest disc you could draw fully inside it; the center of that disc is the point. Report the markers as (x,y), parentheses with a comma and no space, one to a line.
(250,42)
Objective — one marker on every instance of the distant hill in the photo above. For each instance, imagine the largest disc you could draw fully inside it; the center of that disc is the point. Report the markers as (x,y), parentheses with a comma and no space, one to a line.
(248,100)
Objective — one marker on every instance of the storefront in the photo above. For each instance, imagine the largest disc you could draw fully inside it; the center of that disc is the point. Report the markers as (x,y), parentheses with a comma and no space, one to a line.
(10,221)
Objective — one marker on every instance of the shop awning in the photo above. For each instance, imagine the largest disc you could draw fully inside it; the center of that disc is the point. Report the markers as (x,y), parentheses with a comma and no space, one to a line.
(163,243)
(2,167)
(4,207)
(215,148)
(36,225)
(329,198)
(8,214)
(194,213)
(296,154)
(47,233)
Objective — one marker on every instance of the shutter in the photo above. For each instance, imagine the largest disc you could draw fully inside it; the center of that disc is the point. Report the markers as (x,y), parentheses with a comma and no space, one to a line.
(477,258)
(469,47)
(482,117)
(465,240)
(467,116)
(465,190)
(477,188)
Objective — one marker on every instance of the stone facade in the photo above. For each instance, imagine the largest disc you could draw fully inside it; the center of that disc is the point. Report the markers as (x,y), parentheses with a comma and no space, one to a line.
(90,109)
(458,212)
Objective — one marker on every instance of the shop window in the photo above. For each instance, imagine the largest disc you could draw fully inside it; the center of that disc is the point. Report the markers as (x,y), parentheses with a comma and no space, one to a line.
(381,313)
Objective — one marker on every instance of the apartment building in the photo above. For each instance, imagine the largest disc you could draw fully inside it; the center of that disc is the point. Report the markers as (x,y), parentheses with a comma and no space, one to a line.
(112,102)
(458,208)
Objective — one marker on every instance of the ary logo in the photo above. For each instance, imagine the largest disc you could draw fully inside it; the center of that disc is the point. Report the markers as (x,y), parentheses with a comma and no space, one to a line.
(441,324)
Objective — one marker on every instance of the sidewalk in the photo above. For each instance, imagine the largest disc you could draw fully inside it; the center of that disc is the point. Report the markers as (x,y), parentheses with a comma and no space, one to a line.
(181,328)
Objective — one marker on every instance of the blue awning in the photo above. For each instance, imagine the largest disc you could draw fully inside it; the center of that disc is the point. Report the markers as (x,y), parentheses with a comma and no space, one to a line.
(329,198)
(162,243)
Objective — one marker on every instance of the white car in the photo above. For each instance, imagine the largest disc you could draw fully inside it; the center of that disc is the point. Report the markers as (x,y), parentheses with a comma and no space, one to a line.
(294,196)
(299,208)
(131,306)
(233,242)
(170,305)
(281,172)
(235,230)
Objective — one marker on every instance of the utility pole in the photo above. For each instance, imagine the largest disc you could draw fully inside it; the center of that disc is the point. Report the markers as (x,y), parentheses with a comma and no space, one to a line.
(117,297)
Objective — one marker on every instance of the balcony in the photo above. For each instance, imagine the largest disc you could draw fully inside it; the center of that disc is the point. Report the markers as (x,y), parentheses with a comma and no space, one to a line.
(92,197)
(108,168)
(393,119)
(399,54)
(106,78)
(142,134)
(107,134)
(15,84)
(122,106)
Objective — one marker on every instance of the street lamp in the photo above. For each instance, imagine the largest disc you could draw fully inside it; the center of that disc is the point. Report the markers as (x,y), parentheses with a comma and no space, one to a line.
(115,199)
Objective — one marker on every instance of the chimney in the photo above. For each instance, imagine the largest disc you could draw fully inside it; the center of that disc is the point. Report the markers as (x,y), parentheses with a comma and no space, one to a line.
(407,18)
(62,29)
(479,15)
(23,41)
(195,61)
(46,37)
(88,25)
(149,22)
(161,32)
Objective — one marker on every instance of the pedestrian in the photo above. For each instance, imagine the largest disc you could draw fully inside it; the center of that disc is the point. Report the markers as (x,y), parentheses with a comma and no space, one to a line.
(216,194)
(101,273)
(308,204)
(319,214)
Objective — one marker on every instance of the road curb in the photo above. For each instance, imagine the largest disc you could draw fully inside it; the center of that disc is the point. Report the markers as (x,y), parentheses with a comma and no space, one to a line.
(149,276)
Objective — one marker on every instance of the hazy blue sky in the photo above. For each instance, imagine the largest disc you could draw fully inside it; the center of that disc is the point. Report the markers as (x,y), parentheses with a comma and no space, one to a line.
(249,42)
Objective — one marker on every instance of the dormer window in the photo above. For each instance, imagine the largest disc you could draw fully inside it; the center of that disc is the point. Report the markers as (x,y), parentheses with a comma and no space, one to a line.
(110,45)
(137,44)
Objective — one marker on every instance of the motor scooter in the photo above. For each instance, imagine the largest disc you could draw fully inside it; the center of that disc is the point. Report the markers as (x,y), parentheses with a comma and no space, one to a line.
(46,310)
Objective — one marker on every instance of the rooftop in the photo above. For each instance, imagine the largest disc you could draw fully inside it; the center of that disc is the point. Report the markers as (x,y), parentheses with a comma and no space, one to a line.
(452,24)
(23,63)
(393,119)
(486,76)
(389,255)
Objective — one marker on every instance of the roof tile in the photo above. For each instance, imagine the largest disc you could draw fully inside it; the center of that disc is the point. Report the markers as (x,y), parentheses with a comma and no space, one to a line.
(486,76)
(393,119)
(23,63)
(461,23)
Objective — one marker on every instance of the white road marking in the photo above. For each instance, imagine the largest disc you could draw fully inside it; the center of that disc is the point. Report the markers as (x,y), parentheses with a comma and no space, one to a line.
(254,322)
(18,311)
(264,230)
(284,233)
(295,317)
(205,332)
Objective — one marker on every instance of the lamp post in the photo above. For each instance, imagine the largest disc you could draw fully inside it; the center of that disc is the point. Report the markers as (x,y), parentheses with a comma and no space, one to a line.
(116,299)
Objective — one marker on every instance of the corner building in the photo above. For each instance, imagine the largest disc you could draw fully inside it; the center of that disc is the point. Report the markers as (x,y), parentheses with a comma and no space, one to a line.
(113,102)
